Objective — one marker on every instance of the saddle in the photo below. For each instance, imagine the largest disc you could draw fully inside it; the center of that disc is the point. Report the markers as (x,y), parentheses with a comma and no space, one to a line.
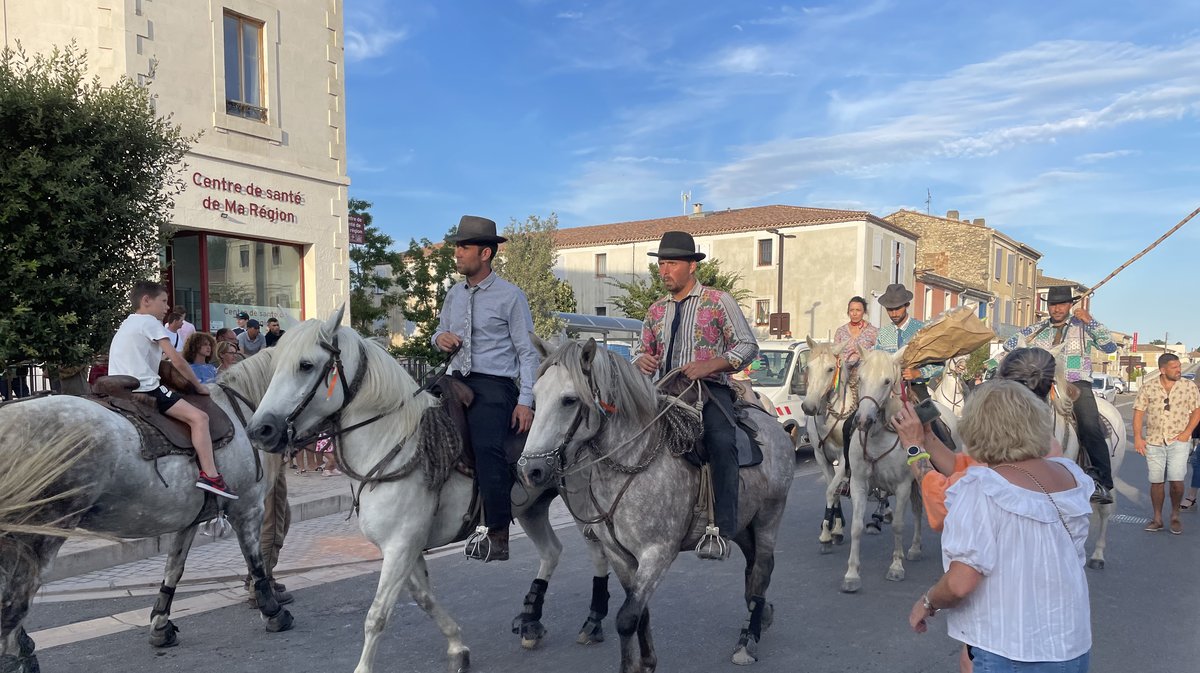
(161,435)
(749,449)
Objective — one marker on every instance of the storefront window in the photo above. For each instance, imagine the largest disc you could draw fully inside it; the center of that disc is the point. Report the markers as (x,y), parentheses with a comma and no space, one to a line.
(185,275)
(262,279)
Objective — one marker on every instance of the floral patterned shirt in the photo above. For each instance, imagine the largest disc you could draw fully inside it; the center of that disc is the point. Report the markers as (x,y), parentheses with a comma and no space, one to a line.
(711,325)
(866,338)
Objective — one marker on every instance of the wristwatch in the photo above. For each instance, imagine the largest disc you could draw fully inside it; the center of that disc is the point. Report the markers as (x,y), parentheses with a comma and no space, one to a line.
(914,450)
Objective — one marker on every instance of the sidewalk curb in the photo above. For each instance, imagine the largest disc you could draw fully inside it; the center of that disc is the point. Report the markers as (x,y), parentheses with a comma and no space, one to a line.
(111,554)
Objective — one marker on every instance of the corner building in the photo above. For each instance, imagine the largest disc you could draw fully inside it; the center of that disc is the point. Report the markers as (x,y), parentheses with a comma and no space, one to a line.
(261,224)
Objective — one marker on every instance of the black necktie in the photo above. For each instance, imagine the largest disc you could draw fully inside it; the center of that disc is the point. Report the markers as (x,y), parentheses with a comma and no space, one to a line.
(674,334)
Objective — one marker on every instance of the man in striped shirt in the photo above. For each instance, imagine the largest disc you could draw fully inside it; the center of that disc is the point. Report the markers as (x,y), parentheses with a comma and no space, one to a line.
(702,331)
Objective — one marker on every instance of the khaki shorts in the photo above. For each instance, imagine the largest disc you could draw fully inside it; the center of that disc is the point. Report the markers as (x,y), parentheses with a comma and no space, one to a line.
(1167,463)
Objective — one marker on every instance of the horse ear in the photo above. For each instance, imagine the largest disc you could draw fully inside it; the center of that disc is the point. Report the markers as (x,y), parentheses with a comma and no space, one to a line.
(589,353)
(335,321)
(840,347)
(1057,351)
(808,340)
(862,351)
(1021,343)
(540,346)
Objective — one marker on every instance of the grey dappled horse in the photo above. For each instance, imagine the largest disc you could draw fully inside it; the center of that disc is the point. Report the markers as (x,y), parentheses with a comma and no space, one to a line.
(878,461)
(114,491)
(598,432)
(386,427)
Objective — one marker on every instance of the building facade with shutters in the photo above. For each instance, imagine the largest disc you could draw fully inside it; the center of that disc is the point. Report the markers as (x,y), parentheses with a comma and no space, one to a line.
(828,257)
(261,225)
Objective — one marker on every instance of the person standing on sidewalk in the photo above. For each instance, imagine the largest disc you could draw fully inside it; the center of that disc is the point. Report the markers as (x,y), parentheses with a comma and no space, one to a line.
(486,324)
(277,519)
(1169,408)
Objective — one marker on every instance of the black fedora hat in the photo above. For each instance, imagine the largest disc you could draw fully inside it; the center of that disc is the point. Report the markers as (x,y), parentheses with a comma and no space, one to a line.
(678,245)
(477,230)
(1060,294)
(895,296)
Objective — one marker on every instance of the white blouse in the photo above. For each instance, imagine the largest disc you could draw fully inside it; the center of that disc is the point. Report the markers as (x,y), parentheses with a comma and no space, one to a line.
(1032,604)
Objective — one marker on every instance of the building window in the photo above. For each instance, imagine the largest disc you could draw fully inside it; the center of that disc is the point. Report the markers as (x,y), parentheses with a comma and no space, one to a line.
(244,68)
(928,303)
(244,257)
(898,262)
(1012,268)
(999,262)
(601,267)
(946,300)
(764,252)
(601,310)
(1008,311)
(260,289)
(275,256)
(762,312)
(877,253)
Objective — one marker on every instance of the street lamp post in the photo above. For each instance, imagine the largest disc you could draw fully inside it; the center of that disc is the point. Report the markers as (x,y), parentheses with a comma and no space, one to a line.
(779,283)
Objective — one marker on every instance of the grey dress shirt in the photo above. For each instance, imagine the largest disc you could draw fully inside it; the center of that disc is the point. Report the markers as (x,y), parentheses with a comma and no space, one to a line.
(501,344)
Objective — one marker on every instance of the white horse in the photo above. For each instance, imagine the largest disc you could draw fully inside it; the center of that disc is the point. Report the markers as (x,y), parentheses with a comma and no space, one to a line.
(829,406)
(1064,432)
(393,437)
(877,460)
(951,392)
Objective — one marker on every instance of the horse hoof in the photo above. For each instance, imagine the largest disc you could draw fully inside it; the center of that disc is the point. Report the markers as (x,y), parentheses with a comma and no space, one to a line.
(887,518)
(532,634)
(743,657)
(460,662)
(165,637)
(13,664)
(280,622)
(914,555)
(872,529)
(1096,564)
(839,539)
(895,575)
(851,586)
(592,632)
(826,547)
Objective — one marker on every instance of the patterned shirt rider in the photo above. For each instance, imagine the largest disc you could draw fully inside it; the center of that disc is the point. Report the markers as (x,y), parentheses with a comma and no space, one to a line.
(891,339)
(717,330)
(867,336)
(1163,425)
(1080,339)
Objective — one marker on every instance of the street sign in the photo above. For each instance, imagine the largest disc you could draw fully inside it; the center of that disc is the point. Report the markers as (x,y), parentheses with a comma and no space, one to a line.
(780,324)
(358,229)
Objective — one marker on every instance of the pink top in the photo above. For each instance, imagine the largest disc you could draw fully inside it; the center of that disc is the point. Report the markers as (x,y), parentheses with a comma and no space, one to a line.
(866,338)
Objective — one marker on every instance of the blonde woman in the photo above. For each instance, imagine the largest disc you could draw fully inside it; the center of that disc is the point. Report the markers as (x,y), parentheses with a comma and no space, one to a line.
(228,355)
(1013,546)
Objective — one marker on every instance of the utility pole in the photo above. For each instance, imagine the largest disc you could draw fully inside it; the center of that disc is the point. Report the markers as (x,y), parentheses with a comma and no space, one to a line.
(779,283)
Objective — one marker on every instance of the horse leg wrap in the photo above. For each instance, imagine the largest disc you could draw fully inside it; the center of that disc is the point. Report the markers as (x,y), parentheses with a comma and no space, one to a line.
(265,594)
(162,606)
(599,606)
(531,611)
(757,605)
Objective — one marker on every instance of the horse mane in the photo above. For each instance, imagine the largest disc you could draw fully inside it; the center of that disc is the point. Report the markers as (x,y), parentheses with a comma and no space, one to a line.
(619,383)
(251,376)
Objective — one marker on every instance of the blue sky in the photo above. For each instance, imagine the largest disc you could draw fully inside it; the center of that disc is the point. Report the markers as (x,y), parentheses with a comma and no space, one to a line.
(1071,126)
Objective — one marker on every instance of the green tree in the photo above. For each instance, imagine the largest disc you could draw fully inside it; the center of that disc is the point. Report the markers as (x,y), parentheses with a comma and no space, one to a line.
(528,262)
(426,271)
(366,285)
(977,362)
(88,179)
(640,293)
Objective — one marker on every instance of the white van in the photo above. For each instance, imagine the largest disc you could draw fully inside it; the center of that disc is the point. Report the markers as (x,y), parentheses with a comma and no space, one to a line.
(781,376)
(1104,388)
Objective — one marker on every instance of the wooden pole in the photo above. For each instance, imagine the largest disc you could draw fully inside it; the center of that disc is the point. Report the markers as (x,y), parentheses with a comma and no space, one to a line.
(1142,253)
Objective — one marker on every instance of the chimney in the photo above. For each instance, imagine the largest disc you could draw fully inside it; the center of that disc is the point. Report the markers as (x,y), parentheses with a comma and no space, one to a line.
(978,222)
(951,214)
(697,211)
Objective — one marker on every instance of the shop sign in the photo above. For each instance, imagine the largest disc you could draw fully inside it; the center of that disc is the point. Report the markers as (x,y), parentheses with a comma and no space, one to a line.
(225,315)
(246,199)
(358,229)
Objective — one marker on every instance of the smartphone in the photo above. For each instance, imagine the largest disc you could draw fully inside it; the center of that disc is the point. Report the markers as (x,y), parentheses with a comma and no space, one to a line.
(927,411)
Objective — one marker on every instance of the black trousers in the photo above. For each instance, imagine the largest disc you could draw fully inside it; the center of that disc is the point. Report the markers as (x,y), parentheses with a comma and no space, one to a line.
(490,420)
(721,443)
(1091,434)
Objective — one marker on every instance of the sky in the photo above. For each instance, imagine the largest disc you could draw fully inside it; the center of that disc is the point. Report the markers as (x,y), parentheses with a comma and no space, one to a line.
(1070,126)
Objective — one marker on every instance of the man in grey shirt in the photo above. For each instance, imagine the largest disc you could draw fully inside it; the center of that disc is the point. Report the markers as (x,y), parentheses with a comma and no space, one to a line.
(486,320)
(252,340)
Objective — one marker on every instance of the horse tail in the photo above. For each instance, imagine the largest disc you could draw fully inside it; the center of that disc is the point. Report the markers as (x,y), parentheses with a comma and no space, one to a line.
(33,498)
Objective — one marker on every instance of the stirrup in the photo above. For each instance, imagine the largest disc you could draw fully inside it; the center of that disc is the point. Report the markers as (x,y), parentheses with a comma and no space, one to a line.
(478,547)
(712,546)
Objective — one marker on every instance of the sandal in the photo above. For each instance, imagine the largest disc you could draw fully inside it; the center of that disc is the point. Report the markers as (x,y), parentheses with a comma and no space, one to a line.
(1185,507)
(1153,527)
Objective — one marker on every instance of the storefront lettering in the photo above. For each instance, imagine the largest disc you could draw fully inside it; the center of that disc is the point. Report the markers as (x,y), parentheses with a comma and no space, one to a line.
(236,206)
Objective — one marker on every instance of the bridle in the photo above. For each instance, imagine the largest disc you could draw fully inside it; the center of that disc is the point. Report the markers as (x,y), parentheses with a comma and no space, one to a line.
(331,426)
(899,388)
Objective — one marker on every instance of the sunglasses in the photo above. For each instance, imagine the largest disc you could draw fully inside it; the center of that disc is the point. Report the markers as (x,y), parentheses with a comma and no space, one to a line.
(1166,404)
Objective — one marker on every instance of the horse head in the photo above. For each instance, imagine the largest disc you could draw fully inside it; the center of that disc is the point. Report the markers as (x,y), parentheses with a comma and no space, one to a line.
(580,389)
(311,382)
(822,366)
(878,376)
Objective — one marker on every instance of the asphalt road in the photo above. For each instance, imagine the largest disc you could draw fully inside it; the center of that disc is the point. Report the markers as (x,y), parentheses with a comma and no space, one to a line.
(1145,604)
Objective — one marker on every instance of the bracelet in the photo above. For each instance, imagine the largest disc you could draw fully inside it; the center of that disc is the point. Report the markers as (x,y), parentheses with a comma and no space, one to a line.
(920,456)
(928,605)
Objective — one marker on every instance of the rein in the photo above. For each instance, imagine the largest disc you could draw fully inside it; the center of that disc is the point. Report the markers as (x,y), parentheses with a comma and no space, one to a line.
(235,397)
(863,432)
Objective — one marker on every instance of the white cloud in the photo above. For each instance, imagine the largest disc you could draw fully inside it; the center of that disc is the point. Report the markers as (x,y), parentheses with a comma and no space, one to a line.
(371,43)
(1096,157)
(569,15)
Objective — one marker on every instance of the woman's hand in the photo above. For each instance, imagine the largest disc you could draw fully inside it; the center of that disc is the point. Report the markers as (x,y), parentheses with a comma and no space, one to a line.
(917,618)
(908,426)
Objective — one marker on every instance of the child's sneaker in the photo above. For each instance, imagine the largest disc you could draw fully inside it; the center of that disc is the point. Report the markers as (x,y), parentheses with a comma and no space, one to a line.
(215,485)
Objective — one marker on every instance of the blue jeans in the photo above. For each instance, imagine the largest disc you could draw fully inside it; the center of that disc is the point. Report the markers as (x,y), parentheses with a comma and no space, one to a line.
(1195,483)
(988,662)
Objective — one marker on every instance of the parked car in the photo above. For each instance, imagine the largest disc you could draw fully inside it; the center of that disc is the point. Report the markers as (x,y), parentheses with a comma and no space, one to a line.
(1120,385)
(1191,376)
(1103,388)
(780,375)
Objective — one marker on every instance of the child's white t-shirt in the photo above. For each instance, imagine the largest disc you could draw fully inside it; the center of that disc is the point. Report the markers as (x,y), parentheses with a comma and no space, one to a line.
(135,350)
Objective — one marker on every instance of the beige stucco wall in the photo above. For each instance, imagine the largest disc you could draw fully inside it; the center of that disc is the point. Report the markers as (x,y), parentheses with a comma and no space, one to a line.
(823,267)
(178,48)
